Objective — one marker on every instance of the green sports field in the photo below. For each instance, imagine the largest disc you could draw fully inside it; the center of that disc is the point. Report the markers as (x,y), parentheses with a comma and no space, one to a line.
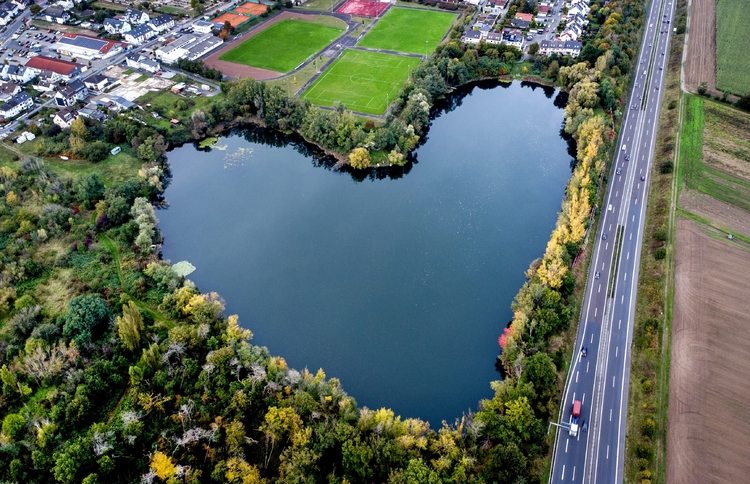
(732,54)
(284,45)
(409,30)
(362,81)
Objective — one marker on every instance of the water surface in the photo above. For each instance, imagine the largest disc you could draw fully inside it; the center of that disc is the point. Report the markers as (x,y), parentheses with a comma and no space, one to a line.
(396,282)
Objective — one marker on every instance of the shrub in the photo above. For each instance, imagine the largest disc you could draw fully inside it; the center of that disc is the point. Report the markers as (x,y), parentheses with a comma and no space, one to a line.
(14,426)
(667,167)
(660,253)
(84,315)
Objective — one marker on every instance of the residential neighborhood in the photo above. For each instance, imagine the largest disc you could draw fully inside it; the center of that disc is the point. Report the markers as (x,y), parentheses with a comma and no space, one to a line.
(554,25)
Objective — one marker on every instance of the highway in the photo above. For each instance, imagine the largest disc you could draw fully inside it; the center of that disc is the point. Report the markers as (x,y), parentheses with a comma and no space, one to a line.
(600,380)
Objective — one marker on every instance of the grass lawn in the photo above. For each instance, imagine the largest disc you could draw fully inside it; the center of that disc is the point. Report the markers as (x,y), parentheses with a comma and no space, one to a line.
(362,81)
(168,104)
(284,45)
(288,83)
(408,30)
(732,54)
(114,169)
(321,5)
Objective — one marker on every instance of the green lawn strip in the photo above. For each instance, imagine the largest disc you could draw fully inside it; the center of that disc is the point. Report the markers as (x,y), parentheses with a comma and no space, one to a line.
(421,6)
(362,81)
(111,6)
(110,245)
(409,30)
(293,82)
(284,45)
(732,53)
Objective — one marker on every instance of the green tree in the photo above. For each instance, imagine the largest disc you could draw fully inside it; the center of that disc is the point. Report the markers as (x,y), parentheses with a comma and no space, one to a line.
(14,426)
(88,187)
(35,9)
(533,48)
(95,152)
(130,326)
(85,313)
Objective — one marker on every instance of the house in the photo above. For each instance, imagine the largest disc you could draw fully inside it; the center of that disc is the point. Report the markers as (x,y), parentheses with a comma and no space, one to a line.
(92,114)
(71,94)
(520,24)
(140,34)
(121,104)
(543,11)
(86,47)
(471,37)
(19,74)
(161,23)
(11,8)
(43,85)
(5,18)
(97,82)
(56,15)
(66,4)
(140,61)
(116,26)
(88,13)
(66,70)
(203,26)
(524,16)
(8,90)
(16,105)
(135,17)
(512,37)
(65,117)
(561,47)
(49,77)
(494,38)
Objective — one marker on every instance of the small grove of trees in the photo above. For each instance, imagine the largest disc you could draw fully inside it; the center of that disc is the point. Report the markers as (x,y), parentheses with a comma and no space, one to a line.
(198,67)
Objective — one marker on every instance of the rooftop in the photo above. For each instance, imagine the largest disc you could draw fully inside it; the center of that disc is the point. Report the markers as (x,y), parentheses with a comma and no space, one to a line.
(55,65)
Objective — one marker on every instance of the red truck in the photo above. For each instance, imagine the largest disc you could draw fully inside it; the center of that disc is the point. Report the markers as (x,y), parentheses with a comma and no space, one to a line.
(574,418)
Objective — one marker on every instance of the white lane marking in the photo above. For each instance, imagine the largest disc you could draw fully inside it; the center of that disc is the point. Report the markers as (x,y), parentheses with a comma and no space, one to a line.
(607,456)
(631,235)
(638,186)
(617,193)
(583,399)
(574,397)
(602,265)
(595,310)
(587,366)
(600,288)
(610,414)
(562,476)
(636,201)
(633,218)
(568,441)
(613,382)
(628,256)
(617,351)
(622,299)
(576,377)
(619,324)
(626,277)
(628,138)
(640,171)
(574,472)
(592,337)
(606,246)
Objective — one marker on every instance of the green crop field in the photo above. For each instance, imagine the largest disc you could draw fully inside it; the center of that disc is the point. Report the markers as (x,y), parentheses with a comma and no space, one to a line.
(732,53)
(283,46)
(409,30)
(362,81)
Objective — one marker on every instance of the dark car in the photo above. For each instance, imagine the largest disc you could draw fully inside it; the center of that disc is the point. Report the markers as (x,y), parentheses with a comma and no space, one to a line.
(585,426)
(643,178)
(604,236)
(596,275)
(627,157)
(584,351)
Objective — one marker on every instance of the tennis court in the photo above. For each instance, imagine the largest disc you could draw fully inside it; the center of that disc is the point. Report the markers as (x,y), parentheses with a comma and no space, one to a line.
(255,9)
(363,8)
(234,19)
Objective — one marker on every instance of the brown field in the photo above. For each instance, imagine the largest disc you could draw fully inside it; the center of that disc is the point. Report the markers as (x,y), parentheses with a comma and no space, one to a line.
(233,19)
(709,395)
(251,8)
(239,71)
(700,58)
(722,215)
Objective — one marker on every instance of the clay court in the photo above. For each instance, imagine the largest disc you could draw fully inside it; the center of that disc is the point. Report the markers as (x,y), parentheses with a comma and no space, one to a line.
(363,8)
(251,8)
(700,60)
(234,19)
(239,71)
(709,398)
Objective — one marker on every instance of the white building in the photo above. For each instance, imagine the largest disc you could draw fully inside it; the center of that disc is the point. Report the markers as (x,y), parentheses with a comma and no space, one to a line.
(16,105)
(116,26)
(190,47)
(65,117)
(202,26)
(140,34)
(76,45)
(135,17)
(161,23)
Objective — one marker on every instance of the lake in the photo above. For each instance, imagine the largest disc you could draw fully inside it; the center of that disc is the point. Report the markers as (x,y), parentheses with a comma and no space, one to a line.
(396,281)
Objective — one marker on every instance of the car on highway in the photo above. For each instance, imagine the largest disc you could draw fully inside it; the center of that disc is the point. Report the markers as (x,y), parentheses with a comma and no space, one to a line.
(627,157)
(604,236)
(619,170)
(585,426)
(596,275)
(643,178)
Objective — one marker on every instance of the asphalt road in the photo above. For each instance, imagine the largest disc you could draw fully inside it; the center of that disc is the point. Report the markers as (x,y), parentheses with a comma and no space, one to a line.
(600,379)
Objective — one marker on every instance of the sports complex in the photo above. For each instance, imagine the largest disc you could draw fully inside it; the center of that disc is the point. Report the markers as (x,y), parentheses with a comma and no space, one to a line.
(360,55)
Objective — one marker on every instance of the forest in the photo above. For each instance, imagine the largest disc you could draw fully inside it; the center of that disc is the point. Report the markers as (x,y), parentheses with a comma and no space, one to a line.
(116,368)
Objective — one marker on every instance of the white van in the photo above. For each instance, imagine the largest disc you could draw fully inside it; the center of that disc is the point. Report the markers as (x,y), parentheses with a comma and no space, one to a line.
(623,147)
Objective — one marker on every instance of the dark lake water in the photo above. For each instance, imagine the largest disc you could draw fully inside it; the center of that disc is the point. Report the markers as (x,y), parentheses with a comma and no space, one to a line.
(396,282)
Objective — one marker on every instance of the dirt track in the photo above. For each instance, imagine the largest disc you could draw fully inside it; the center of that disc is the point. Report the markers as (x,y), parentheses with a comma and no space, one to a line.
(709,395)
(700,61)
(239,71)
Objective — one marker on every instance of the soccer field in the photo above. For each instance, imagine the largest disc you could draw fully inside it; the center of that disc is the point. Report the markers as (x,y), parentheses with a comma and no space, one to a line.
(362,81)
(283,46)
(409,30)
